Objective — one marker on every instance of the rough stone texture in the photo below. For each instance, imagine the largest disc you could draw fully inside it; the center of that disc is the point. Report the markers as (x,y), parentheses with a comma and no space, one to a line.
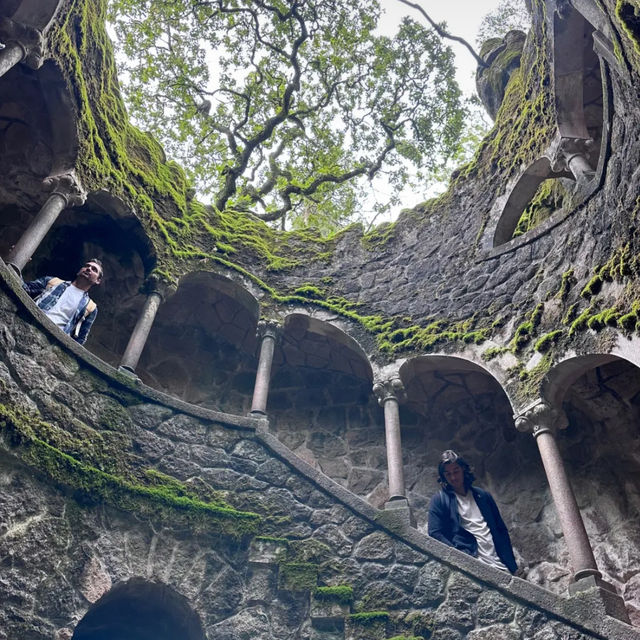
(78,553)
(433,267)
(503,58)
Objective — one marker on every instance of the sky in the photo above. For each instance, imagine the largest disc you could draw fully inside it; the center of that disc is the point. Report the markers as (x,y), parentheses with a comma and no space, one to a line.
(463,18)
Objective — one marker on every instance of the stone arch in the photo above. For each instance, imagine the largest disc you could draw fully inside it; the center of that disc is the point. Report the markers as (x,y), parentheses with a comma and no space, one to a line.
(322,407)
(202,346)
(38,138)
(565,373)
(314,343)
(105,228)
(34,13)
(519,196)
(8,8)
(600,447)
(454,403)
(140,610)
(576,158)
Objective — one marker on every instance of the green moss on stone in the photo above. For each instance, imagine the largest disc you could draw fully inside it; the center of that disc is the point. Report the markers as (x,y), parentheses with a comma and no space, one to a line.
(549,197)
(548,340)
(608,317)
(493,352)
(628,13)
(369,618)
(581,321)
(630,321)
(164,498)
(309,291)
(592,287)
(530,380)
(341,594)
(298,576)
(568,280)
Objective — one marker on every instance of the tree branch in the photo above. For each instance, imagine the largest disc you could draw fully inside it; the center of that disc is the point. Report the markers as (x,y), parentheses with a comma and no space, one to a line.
(444,34)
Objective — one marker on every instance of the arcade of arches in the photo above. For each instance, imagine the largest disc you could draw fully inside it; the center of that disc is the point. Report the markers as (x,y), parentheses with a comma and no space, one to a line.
(373,424)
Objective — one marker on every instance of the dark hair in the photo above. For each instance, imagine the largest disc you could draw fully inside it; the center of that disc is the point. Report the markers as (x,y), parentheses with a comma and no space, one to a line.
(448,457)
(99,263)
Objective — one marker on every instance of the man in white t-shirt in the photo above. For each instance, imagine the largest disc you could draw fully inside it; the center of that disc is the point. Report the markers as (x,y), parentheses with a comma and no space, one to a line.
(467,518)
(67,303)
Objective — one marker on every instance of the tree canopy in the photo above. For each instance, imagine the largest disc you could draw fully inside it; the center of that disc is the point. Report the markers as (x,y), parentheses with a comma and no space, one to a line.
(288,107)
(508,15)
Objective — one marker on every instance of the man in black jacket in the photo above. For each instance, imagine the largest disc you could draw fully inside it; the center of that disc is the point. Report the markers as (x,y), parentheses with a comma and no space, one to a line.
(467,518)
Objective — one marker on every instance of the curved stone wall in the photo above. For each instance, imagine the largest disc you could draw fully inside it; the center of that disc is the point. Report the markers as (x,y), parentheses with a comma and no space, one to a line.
(474,333)
(70,548)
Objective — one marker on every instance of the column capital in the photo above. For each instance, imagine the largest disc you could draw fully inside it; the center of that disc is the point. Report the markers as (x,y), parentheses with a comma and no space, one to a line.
(540,417)
(269,328)
(156,284)
(30,40)
(571,155)
(68,187)
(390,389)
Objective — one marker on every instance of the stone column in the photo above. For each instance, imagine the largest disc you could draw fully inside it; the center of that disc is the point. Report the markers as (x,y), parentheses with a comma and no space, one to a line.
(22,43)
(66,192)
(268,333)
(390,393)
(156,293)
(572,156)
(541,420)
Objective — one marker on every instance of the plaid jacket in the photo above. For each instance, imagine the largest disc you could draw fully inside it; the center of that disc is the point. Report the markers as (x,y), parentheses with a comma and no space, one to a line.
(45,297)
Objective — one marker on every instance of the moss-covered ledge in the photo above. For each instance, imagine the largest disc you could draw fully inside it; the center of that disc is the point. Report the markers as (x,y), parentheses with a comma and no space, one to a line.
(160,498)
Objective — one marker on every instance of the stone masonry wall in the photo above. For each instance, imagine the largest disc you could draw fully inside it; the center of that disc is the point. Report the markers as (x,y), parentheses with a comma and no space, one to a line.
(60,554)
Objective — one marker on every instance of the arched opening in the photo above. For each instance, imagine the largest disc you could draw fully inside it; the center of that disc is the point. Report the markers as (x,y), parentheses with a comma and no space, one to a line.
(38,138)
(553,186)
(33,13)
(455,404)
(537,195)
(102,228)
(321,405)
(8,8)
(203,343)
(140,610)
(578,82)
(600,395)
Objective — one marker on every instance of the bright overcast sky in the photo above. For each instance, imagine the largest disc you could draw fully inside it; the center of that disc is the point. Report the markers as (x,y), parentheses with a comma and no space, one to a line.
(463,19)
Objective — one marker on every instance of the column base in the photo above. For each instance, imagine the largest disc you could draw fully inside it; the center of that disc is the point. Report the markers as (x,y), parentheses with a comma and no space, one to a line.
(398,511)
(128,371)
(263,417)
(594,594)
(15,269)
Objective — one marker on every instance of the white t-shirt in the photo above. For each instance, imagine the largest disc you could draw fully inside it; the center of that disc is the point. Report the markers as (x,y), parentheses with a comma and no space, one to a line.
(471,519)
(66,306)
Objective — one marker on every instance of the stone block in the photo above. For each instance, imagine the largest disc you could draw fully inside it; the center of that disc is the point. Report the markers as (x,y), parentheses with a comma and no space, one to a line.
(262,582)
(268,550)
(324,612)
(298,576)
(366,626)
